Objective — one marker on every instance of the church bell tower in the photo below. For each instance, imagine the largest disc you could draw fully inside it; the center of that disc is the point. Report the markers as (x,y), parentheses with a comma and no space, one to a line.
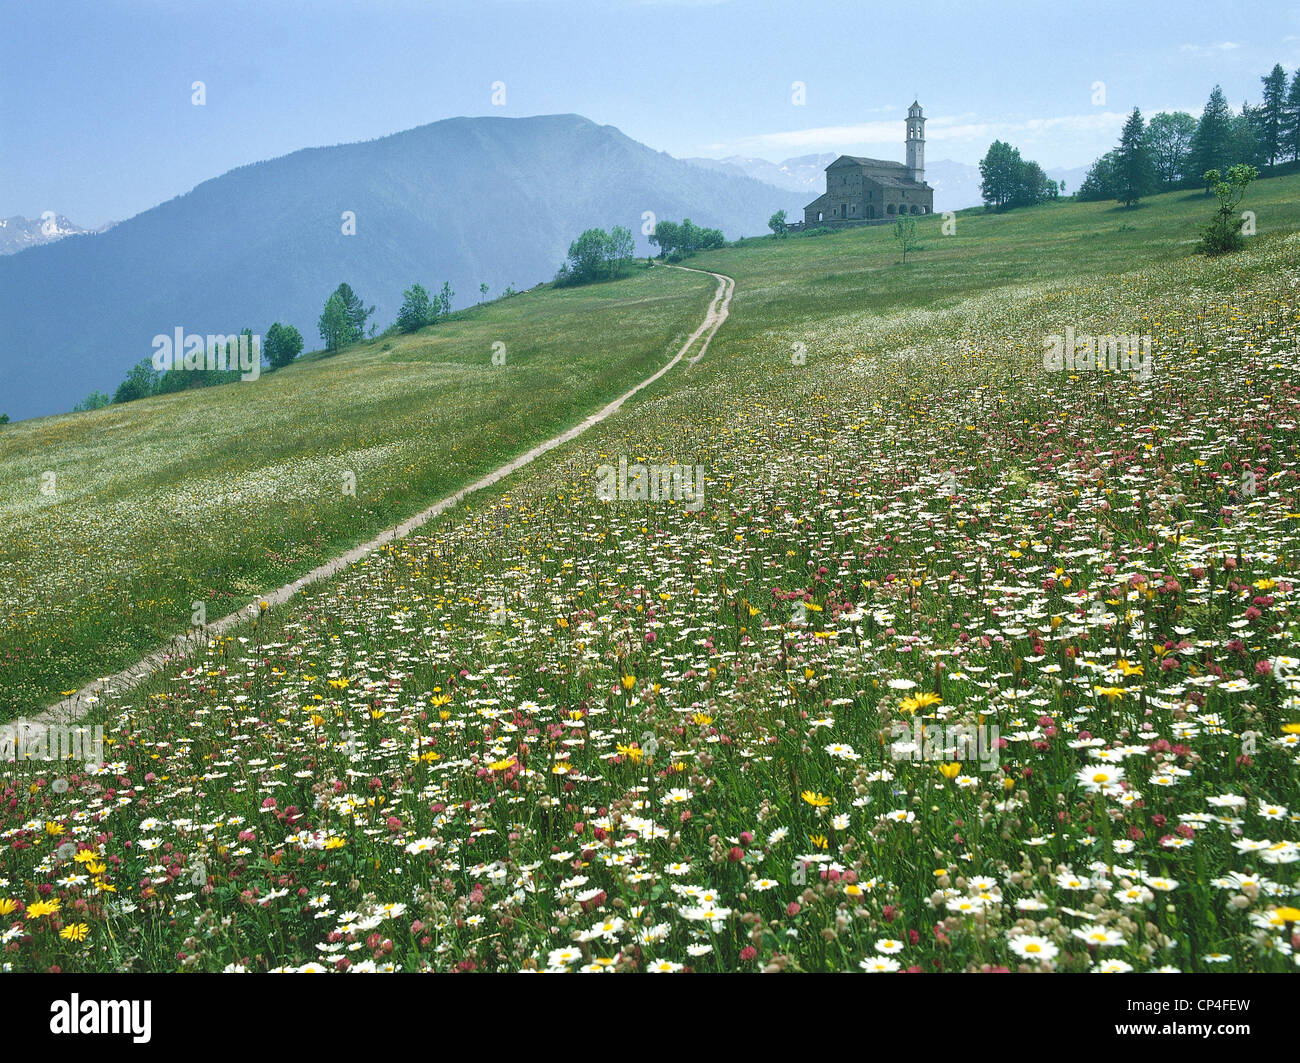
(916,143)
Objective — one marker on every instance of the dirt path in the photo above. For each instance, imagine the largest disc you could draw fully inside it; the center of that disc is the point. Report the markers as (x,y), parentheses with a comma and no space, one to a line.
(75,707)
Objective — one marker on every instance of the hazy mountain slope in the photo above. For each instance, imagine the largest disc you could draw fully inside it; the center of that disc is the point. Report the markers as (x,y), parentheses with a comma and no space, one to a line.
(469,200)
(803,174)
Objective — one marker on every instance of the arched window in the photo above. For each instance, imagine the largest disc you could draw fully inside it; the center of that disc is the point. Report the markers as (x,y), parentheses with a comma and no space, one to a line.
(890,208)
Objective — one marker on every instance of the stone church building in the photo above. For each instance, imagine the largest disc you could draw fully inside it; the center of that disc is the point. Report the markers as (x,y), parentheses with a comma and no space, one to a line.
(864,190)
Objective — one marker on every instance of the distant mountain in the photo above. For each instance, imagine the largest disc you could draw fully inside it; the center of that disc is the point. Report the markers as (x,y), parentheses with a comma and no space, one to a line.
(806,173)
(956,184)
(466,200)
(1073,177)
(19,233)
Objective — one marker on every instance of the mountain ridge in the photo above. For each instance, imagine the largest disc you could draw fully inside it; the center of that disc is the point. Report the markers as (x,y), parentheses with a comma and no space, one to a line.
(468,200)
(18,233)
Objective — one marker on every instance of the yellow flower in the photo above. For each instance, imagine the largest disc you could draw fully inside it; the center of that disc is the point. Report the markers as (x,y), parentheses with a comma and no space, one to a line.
(75,932)
(104,887)
(8,906)
(629,681)
(918,701)
(317,719)
(950,771)
(54,829)
(1112,693)
(1291,728)
(40,908)
(438,700)
(501,765)
(631,752)
(560,768)
(430,756)
(1288,915)
(335,843)
(339,684)
(703,719)
(817,841)
(815,799)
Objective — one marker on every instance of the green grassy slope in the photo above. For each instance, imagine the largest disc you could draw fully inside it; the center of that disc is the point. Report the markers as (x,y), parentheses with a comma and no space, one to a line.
(552,731)
(857,268)
(217,495)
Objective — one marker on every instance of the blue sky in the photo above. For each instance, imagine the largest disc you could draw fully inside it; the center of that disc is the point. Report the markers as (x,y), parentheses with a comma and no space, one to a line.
(96,119)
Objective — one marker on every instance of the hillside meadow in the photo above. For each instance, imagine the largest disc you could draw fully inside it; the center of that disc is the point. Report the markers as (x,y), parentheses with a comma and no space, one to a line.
(117,521)
(553,732)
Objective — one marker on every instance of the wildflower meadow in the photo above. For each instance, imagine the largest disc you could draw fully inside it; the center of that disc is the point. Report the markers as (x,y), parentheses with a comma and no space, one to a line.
(567,729)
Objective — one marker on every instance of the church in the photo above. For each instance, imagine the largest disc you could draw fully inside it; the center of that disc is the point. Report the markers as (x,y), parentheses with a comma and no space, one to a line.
(862,190)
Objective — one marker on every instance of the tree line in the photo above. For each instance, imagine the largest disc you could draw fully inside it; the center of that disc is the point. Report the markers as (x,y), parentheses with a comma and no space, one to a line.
(1007,180)
(678,240)
(281,345)
(1175,150)
(597,255)
(342,321)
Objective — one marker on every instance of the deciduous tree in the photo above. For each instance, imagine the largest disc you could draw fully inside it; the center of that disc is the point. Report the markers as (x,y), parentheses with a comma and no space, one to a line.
(283,345)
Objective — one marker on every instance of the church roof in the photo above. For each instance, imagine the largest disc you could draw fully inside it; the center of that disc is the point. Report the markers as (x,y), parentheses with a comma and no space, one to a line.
(858,160)
(898,182)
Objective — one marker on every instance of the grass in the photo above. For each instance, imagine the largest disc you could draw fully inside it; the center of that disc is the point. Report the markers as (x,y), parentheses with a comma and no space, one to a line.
(859,268)
(551,732)
(218,495)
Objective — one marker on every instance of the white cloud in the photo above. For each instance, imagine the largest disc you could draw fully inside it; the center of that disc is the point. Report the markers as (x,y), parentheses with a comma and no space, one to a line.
(940,130)
(1201,51)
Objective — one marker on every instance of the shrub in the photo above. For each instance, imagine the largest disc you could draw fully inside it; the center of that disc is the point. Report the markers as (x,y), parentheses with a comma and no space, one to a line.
(1223,235)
